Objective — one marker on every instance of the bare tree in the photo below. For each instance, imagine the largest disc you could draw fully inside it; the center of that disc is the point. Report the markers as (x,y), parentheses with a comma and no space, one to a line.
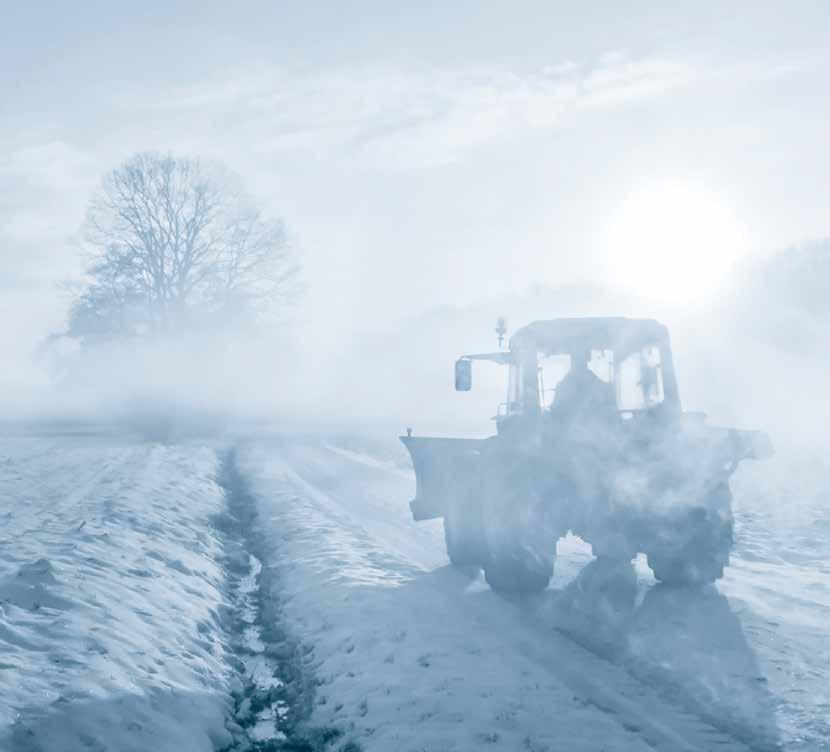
(177,245)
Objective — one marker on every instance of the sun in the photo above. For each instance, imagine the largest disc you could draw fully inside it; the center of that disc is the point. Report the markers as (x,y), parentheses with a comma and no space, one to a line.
(674,241)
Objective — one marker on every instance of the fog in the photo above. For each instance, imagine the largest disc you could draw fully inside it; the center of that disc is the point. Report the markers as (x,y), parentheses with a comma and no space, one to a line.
(442,178)
(241,250)
(425,192)
(757,362)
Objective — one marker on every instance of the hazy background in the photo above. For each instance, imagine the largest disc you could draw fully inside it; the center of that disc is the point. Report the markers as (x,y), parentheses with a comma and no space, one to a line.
(435,167)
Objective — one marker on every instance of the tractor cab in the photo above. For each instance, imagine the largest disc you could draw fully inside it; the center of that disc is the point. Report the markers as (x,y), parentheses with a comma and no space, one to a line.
(584,367)
(591,439)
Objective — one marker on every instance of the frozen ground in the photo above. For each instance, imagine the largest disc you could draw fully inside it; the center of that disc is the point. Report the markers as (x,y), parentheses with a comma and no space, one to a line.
(412,655)
(133,614)
(110,597)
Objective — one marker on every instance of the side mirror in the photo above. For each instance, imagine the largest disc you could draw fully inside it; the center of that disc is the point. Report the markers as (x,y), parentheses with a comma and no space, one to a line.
(463,375)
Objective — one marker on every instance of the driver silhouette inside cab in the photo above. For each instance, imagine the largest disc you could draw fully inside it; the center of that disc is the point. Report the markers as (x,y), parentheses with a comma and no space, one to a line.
(582,396)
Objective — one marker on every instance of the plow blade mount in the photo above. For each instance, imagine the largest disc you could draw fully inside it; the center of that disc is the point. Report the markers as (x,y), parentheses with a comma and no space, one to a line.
(444,469)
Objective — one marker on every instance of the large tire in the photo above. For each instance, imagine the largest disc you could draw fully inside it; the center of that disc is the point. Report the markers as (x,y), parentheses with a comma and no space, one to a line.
(464,539)
(704,553)
(464,533)
(520,536)
(516,572)
(688,570)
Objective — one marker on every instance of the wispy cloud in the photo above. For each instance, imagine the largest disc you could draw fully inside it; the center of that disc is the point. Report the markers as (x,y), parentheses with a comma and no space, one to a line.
(411,118)
(55,165)
(377,117)
(43,190)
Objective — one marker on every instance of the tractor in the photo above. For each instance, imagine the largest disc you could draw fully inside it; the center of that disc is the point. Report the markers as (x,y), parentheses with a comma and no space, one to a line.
(591,440)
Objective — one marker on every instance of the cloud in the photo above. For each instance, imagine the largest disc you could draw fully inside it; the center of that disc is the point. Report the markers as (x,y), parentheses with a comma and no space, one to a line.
(55,165)
(393,118)
(300,137)
(387,117)
(44,188)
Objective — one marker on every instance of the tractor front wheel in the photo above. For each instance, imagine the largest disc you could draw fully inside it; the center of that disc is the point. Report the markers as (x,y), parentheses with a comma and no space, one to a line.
(518,572)
(464,536)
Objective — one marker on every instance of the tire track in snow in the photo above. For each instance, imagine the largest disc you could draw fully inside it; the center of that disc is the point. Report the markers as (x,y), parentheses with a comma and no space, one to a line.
(660,723)
(664,725)
(275,687)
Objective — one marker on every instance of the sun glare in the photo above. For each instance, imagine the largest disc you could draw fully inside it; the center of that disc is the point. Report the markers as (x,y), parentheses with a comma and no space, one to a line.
(674,242)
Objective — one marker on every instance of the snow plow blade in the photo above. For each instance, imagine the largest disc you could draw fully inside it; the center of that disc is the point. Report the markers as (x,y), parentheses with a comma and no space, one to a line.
(444,469)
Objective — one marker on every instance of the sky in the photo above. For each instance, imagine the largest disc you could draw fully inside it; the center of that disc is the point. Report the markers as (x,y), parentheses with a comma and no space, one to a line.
(421,154)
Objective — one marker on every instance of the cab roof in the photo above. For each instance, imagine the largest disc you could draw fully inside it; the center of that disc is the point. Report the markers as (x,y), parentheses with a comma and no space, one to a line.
(570,335)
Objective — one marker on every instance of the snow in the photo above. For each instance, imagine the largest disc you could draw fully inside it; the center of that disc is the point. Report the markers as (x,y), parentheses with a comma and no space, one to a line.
(158,596)
(779,585)
(411,654)
(110,597)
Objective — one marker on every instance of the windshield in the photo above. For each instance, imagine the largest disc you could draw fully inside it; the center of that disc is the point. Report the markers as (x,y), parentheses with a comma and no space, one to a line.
(554,368)
(633,384)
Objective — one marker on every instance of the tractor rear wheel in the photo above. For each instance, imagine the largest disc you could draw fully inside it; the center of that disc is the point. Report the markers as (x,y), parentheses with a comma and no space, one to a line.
(687,570)
(701,559)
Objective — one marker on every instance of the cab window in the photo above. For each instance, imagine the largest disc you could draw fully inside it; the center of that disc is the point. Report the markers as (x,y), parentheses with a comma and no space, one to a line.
(639,380)
(552,369)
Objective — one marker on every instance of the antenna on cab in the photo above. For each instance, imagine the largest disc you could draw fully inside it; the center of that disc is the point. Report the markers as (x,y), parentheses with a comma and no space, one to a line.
(501,330)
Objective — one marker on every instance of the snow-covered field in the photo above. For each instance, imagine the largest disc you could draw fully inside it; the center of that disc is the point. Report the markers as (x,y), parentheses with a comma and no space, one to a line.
(133,614)
(410,654)
(111,590)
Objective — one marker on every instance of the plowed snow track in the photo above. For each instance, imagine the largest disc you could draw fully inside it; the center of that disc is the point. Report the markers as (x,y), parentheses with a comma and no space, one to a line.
(410,654)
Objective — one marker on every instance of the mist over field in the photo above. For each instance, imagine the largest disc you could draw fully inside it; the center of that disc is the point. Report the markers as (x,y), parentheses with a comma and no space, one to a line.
(282,465)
